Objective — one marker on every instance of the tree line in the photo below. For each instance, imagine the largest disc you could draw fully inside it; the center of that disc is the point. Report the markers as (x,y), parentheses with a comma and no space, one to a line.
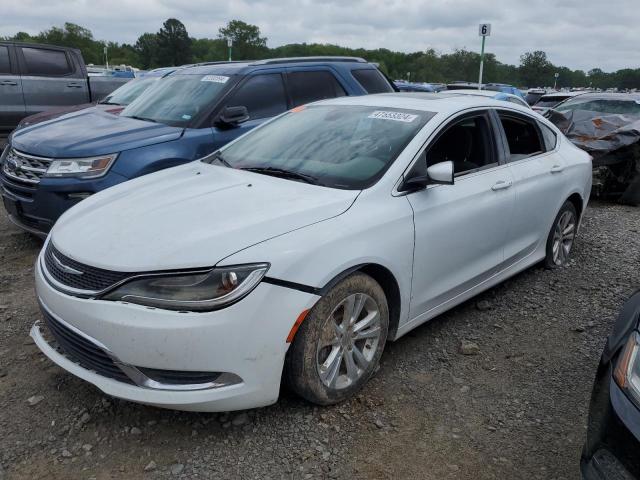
(171,45)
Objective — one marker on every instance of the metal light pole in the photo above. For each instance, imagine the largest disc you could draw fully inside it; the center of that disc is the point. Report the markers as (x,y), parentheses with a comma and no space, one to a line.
(484,30)
(106,58)
(555,80)
(230,45)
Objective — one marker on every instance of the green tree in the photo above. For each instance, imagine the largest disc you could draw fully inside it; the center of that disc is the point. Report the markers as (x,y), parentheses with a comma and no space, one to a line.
(535,69)
(247,42)
(173,44)
(147,48)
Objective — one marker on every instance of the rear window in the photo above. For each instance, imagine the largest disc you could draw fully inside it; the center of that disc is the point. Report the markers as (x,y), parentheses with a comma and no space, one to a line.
(372,80)
(522,136)
(550,102)
(628,107)
(42,61)
(307,87)
(5,66)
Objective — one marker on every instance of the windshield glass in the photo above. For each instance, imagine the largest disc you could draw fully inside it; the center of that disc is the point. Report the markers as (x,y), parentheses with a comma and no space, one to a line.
(340,146)
(177,99)
(550,102)
(628,107)
(129,91)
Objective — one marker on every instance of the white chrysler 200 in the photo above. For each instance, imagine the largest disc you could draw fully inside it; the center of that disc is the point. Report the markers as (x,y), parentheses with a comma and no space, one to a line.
(297,251)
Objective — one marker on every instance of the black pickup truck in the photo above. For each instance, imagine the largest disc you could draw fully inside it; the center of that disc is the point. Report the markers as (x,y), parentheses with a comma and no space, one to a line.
(35,78)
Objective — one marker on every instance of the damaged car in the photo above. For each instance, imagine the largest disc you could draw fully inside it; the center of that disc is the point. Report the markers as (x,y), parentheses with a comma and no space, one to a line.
(607,126)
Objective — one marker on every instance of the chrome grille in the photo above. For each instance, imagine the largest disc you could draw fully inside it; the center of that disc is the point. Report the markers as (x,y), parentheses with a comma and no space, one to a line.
(91,279)
(21,167)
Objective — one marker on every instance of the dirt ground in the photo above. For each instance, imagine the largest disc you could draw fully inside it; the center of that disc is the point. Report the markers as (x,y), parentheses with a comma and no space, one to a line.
(517,409)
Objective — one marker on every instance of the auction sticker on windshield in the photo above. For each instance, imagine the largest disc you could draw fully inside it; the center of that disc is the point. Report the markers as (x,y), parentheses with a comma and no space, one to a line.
(397,116)
(214,78)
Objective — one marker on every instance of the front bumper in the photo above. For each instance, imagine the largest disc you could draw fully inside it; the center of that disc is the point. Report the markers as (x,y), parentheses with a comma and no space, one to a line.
(246,340)
(612,450)
(36,207)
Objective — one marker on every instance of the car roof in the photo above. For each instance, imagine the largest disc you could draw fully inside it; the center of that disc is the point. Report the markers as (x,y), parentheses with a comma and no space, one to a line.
(441,102)
(244,66)
(631,97)
(564,94)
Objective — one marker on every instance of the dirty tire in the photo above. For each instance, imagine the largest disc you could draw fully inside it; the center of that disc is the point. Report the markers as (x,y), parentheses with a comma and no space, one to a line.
(302,365)
(549,258)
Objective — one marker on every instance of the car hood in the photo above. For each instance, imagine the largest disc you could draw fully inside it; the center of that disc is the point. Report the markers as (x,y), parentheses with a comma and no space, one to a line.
(190,216)
(90,132)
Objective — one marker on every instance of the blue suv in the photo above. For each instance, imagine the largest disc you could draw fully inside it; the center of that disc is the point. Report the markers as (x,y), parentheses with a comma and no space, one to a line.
(49,167)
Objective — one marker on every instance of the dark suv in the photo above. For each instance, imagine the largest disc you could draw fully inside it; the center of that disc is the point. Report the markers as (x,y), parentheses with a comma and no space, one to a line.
(48,167)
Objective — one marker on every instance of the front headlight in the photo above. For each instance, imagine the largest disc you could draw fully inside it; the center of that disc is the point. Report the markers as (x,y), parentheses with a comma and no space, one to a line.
(200,292)
(627,371)
(90,167)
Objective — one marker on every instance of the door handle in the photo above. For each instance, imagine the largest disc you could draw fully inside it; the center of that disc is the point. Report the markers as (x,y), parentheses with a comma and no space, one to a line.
(557,169)
(501,185)
(8,82)
(74,85)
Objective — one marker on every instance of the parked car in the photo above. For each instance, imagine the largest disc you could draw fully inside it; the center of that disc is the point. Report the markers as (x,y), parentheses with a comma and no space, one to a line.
(495,87)
(552,100)
(613,429)
(35,78)
(299,249)
(417,87)
(187,116)
(112,103)
(534,94)
(607,126)
(505,97)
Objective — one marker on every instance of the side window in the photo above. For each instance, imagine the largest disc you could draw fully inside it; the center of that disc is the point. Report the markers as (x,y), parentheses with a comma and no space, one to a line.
(372,80)
(41,61)
(5,64)
(522,137)
(307,87)
(467,143)
(549,136)
(263,95)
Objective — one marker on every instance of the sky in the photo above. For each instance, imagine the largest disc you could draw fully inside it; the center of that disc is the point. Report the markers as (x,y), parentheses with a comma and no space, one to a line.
(579,34)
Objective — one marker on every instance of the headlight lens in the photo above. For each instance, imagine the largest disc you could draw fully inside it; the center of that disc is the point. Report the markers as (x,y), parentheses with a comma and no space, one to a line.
(200,292)
(627,371)
(90,167)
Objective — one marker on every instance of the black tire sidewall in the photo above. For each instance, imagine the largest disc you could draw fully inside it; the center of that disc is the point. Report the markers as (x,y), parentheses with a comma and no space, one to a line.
(300,371)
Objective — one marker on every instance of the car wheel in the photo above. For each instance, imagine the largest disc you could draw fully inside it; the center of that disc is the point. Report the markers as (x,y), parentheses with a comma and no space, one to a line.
(561,237)
(340,342)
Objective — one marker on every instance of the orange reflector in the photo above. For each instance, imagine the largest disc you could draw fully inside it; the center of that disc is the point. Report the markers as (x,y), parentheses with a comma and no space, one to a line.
(296,325)
(298,109)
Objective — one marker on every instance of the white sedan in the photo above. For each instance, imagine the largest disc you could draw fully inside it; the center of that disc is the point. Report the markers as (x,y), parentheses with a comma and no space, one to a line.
(297,251)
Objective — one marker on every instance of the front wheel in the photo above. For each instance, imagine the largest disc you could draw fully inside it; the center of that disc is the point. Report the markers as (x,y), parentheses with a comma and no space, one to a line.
(561,237)
(339,345)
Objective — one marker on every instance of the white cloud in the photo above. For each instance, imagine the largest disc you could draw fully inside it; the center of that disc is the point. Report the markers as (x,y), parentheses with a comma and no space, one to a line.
(575,33)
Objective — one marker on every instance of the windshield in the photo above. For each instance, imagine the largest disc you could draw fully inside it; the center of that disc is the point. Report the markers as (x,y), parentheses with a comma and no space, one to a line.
(628,107)
(550,102)
(177,99)
(129,91)
(340,146)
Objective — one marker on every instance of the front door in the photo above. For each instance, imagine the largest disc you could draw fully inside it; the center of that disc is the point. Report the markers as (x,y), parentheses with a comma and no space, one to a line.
(11,101)
(460,229)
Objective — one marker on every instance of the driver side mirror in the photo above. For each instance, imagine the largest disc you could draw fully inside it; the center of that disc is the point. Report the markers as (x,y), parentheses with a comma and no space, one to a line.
(438,174)
(232,116)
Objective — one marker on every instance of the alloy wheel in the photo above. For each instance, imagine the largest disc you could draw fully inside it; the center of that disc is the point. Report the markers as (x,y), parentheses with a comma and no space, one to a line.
(349,341)
(563,236)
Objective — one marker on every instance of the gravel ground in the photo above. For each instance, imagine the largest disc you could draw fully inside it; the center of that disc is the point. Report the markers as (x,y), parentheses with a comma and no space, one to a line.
(514,409)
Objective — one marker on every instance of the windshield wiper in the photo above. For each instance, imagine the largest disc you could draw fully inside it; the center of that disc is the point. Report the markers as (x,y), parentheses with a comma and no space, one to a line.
(281,172)
(143,118)
(104,102)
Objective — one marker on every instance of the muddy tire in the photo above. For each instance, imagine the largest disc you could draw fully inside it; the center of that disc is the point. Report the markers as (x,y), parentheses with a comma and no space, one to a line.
(340,342)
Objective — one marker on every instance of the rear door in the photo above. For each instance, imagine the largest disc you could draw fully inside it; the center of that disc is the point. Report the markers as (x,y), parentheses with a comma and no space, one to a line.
(461,229)
(50,78)
(12,108)
(311,84)
(537,169)
(264,96)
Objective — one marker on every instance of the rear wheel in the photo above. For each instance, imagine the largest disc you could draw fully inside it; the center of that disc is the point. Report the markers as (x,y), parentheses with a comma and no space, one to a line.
(339,345)
(561,237)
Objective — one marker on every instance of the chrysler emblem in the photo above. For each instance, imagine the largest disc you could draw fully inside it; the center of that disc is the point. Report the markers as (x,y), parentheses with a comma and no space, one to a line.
(66,268)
